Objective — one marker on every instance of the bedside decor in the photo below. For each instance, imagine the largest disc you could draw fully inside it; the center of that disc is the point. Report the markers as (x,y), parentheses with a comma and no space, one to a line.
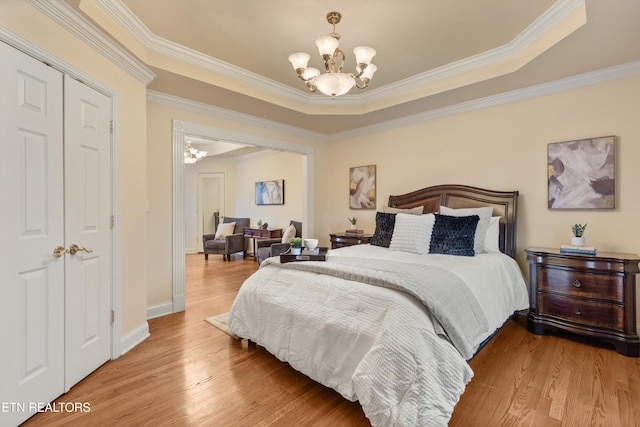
(578,231)
(270,192)
(581,174)
(362,187)
(296,245)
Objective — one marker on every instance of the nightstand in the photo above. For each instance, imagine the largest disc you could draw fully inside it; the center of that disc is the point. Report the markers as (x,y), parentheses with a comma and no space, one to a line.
(340,240)
(592,295)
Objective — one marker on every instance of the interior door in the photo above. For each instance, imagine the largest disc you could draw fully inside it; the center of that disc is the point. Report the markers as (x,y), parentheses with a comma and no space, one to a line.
(210,189)
(32,212)
(87,171)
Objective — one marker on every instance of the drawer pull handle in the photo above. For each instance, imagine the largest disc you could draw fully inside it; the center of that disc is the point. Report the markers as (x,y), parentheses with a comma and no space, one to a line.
(577,284)
(578,311)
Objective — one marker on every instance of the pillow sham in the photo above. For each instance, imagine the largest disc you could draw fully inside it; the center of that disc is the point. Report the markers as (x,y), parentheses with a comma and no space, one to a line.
(224,229)
(289,233)
(492,238)
(412,233)
(454,235)
(484,215)
(385,223)
(414,211)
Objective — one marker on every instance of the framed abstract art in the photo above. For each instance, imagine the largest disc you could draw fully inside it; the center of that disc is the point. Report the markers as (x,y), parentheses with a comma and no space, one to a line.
(362,187)
(581,174)
(270,192)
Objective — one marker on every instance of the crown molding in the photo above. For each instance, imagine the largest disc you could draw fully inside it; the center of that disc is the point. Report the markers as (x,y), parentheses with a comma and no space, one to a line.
(210,110)
(546,22)
(630,69)
(553,16)
(64,15)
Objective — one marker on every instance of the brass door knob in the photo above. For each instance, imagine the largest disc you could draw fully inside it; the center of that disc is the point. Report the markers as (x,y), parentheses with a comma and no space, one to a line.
(73,249)
(58,251)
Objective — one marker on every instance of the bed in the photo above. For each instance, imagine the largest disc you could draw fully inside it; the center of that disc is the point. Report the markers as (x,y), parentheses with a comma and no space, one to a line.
(387,324)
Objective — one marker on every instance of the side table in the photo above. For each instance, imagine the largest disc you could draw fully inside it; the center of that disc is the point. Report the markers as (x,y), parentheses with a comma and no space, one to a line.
(340,240)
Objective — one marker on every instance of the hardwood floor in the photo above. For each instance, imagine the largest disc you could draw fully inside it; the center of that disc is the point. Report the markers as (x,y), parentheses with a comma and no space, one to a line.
(189,373)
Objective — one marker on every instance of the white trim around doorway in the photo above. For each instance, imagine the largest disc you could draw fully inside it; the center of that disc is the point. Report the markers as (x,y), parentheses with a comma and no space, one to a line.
(182,130)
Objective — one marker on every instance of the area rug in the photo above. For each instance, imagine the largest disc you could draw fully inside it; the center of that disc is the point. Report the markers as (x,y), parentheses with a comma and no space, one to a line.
(221,321)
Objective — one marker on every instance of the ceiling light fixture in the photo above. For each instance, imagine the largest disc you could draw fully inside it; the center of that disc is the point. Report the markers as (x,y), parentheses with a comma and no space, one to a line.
(191,155)
(334,82)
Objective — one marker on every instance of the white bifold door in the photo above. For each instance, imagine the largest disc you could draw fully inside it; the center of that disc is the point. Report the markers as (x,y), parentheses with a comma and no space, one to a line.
(55,236)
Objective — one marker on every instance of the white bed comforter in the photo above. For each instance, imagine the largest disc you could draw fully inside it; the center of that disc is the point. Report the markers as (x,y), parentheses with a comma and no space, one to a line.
(373,344)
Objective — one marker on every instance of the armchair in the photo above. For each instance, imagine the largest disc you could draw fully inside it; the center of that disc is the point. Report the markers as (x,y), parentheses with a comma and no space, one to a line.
(273,247)
(231,244)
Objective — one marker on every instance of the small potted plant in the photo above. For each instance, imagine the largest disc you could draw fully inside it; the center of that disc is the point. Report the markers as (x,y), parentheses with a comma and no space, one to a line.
(353,221)
(296,245)
(578,232)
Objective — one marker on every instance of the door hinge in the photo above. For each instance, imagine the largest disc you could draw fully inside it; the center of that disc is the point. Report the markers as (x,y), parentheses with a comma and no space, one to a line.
(111,127)
(112,222)
(113,316)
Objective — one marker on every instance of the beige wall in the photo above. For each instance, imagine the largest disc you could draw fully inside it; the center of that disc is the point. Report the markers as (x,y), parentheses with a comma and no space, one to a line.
(22,19)
(266,167)
(505,148)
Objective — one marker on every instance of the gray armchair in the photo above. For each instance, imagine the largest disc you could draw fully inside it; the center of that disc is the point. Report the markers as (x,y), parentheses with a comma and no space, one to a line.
(231,244)
(273,247)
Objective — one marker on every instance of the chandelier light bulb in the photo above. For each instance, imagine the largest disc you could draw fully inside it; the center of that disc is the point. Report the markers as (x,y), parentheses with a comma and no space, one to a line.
(299,60)
(327,45)
(334,84)
(368,72)
(364,54)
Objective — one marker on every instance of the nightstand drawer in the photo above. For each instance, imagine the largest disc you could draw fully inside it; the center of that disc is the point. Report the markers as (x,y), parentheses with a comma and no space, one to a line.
(602,286)
(591,313)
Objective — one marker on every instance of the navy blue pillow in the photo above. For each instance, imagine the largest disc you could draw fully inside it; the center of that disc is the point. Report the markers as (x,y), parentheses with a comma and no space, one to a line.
(454,235)
(385,223)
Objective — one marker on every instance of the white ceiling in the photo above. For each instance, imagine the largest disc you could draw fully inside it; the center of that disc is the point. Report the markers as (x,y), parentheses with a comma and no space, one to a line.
(432,54)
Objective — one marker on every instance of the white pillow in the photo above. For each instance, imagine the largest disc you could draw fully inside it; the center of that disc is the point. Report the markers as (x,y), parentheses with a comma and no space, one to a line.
(415,211)
(412,233)
(492,238)
(289,233)
(483,224)
(224,229)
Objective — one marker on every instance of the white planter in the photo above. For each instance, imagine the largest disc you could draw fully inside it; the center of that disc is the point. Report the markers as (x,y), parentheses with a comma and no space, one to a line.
(577,241)
(296,251)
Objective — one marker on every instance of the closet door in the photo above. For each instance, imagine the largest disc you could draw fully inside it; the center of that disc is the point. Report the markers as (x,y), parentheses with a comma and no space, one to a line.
(87,172)
(31,227)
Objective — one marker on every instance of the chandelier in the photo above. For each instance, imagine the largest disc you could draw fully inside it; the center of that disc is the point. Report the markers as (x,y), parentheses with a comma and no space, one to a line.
(334,82)
(191,155)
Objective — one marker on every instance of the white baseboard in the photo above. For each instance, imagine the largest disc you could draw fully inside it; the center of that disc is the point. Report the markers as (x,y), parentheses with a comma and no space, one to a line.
(159,310)
(138,335)
(190,251)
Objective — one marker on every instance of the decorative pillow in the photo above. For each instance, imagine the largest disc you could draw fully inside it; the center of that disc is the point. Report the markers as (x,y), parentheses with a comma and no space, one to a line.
(411,233)
(224,229)
(289,233)
(385,223)
(454,235)
(413,211)
(492,238)
(485,216)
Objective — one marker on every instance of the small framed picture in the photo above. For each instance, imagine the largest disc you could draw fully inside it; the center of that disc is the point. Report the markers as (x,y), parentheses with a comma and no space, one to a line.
(270,192)
(362,187)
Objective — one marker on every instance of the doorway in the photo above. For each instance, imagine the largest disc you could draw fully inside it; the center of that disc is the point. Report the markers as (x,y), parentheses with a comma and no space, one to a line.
(184,130)
(211,204)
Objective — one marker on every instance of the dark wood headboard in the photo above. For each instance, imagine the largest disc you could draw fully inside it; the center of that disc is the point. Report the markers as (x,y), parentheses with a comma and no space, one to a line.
(505,204)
